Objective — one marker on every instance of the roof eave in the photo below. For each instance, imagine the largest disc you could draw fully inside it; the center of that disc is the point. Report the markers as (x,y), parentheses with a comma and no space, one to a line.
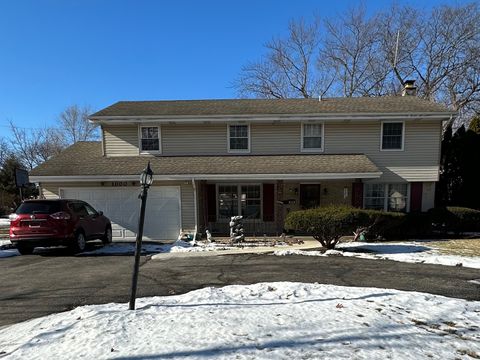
(303,176)
(441,116)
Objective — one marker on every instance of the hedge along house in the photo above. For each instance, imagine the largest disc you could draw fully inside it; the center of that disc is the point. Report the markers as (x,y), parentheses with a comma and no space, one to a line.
(259,158)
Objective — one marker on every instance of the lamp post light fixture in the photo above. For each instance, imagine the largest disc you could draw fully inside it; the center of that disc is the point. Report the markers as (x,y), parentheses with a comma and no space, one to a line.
(146,179)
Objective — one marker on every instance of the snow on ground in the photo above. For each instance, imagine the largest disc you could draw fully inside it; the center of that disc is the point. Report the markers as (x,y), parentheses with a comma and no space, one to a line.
(6,249)
(148,248)
(402,251)
(5,242)
(4,222)
(261,321)
(8,253)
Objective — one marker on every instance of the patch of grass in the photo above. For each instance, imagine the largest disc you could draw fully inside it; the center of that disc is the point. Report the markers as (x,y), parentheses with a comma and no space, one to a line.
(464,247)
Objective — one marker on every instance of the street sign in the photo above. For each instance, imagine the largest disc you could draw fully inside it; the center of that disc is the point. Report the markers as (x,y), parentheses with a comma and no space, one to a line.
(21,178)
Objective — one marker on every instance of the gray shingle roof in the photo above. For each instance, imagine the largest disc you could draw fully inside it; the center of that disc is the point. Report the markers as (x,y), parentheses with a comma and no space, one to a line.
(85,158)
(386,104)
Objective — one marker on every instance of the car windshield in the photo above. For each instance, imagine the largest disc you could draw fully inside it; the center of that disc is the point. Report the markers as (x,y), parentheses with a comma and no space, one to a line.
(38,207)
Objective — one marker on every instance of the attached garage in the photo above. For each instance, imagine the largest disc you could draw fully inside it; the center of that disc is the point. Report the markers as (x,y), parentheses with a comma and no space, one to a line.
(122,206)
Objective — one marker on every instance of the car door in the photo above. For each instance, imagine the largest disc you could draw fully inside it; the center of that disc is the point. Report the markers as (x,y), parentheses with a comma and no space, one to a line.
(97,222)
(83,222)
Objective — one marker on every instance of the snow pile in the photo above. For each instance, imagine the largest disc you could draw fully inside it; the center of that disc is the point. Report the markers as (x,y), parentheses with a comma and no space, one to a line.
(5,243)
(403,251)
(129,248)
(4,253)
(6,249)
(148,248)
(262,321)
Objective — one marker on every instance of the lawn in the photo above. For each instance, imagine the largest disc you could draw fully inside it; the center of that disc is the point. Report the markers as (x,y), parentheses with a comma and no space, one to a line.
(463,247)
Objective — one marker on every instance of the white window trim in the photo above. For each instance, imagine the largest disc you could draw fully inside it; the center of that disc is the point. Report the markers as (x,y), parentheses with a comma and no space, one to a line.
(313,150)
(403,135)
(152,152)
(239,186)
(238,151)
(385,200)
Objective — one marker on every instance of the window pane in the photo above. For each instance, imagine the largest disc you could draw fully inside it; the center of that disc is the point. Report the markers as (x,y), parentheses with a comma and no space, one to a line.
(375,196)
(251,191)
(227,201)
(149,132)
(238,137)
(312,142)
(392,136)
(397,197)
(239,143)
(251,209)
(312,129)
(374,203)
(374,190)
(250,201)
(150,144)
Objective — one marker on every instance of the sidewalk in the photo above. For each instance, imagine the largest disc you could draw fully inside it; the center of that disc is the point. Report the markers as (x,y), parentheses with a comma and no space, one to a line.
(308,244)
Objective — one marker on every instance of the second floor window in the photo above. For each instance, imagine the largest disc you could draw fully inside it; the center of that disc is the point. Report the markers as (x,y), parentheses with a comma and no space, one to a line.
(150,140)
(238,138)
(312,138)
(392,136)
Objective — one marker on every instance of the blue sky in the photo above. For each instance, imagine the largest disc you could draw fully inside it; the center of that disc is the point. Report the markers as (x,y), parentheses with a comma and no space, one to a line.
(54,53)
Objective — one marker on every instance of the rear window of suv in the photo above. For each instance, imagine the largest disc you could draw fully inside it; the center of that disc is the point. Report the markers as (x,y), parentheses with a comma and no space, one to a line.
(39,207)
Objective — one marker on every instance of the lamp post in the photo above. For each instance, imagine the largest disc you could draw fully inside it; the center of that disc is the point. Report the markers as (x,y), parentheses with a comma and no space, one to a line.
(146,179)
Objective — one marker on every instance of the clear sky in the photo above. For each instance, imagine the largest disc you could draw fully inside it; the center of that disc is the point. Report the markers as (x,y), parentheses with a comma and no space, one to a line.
(54,53)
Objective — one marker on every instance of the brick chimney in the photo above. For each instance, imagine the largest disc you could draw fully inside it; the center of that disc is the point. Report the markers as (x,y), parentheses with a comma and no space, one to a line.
(409,88)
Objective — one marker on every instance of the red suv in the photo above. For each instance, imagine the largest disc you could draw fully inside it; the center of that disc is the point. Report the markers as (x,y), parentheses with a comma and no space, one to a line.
(57,222)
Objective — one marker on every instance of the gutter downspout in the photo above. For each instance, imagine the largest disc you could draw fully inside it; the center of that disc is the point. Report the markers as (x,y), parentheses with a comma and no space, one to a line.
(196,210)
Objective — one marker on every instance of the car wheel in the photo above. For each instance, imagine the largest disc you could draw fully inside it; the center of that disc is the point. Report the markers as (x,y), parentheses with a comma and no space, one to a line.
(79,243)
(25,250)
(107,238)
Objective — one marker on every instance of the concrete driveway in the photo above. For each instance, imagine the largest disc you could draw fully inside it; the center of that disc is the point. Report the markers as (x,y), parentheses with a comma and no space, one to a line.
(37,285)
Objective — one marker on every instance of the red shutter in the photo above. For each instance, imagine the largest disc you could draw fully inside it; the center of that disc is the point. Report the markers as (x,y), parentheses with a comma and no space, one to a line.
(416,189)
(211,197)
(268,202)
(357,194)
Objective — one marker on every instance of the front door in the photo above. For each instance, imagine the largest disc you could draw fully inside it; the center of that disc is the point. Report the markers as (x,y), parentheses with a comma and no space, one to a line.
(309,196)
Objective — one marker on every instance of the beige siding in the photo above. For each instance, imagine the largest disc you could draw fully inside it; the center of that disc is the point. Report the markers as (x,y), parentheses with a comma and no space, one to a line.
(417,162)
(194,139)
(121,140)
(188,206)
(52,191)
(420,154)
(275,139)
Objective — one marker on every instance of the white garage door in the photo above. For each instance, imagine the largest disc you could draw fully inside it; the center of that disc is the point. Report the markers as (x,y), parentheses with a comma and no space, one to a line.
(122,207)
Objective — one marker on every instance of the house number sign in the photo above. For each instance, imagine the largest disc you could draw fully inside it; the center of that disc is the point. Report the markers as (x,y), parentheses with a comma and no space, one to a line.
(122,183)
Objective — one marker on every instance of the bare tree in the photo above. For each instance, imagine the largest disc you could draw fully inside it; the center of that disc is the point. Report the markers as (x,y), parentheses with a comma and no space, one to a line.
(74,124)
(440,50)
(34,146)
(288,68)
(4,151)
(351,48)
(360,55)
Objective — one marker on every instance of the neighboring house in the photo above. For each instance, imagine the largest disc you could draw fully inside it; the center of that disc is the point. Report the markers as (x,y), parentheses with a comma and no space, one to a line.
(259,158)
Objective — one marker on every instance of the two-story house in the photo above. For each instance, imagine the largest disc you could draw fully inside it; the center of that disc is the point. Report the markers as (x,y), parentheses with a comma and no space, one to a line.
(213,159)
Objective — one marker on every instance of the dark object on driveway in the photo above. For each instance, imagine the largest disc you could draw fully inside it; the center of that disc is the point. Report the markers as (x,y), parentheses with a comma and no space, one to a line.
(57,222)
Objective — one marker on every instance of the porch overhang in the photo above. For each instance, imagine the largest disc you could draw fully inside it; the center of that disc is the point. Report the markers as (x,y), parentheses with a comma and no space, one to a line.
(84,162)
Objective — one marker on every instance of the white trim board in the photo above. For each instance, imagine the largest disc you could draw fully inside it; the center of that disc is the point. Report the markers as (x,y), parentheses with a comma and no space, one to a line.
(135,119)
(252,177)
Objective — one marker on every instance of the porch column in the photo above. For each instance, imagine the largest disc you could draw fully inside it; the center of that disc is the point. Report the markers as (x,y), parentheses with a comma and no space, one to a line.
(279,209)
